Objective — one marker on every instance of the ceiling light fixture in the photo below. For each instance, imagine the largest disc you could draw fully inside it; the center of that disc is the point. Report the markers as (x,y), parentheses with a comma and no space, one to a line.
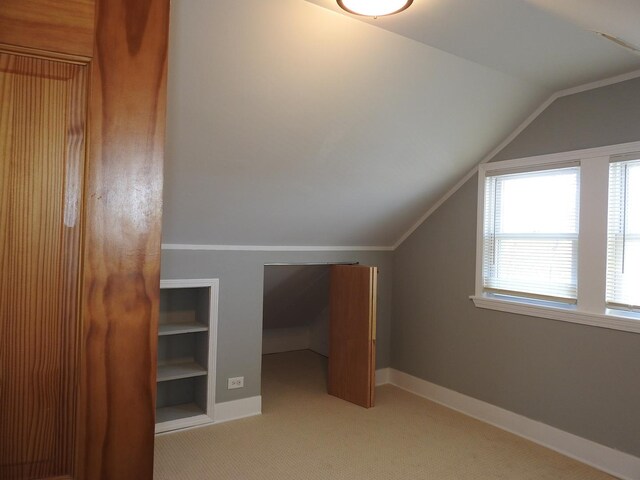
(374,8)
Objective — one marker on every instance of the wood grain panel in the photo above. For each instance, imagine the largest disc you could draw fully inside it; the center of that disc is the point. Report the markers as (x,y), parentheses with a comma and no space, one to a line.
(351,373)
(64,26)
(42,132)
(122,240)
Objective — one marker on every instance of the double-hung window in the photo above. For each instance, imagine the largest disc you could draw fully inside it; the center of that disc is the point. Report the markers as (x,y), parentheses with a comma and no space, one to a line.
(623,236)
(531,233)
(559,236)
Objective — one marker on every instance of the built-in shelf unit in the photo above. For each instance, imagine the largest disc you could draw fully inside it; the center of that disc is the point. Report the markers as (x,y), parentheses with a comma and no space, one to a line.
(187,337)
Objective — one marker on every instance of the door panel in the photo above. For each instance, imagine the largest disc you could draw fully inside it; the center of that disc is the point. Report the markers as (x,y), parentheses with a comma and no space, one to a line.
(42,137)
(60,26)
(80,238)
(352,333)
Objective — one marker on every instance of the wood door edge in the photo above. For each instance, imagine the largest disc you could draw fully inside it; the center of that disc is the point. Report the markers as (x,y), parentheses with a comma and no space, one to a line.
(374,327)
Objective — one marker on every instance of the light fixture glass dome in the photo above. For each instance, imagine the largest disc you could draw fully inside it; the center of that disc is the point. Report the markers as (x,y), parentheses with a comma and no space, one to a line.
(374,8)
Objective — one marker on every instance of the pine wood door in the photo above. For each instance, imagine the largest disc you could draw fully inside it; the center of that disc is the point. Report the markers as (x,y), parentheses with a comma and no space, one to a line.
(82,107)
(352,333)
(42,158)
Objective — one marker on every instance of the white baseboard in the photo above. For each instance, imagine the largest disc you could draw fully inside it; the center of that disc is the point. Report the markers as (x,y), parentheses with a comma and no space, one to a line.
(614,462)
(236,409)
(382,376)
(183,424)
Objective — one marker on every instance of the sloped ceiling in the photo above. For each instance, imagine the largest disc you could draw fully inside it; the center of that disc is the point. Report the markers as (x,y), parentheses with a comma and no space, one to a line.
(548,42)
(619,18)
(294,295)
(292,124)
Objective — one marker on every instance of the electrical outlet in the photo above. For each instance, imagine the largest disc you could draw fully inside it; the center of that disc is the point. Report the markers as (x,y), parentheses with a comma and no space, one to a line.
(235,382)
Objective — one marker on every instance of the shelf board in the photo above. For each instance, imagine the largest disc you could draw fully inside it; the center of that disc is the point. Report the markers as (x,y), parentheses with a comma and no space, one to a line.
(177,370)
(182,327)
(177,412)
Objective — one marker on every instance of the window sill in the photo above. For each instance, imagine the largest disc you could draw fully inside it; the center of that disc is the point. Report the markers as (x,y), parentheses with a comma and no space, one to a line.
(612,319)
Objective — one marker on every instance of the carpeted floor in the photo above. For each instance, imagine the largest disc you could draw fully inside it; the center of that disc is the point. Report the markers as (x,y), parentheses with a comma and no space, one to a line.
(305,434)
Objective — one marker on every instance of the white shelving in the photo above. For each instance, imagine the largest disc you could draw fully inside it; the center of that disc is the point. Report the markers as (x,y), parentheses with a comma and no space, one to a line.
(187,337)
(177,412)
(180,369)
(181,327)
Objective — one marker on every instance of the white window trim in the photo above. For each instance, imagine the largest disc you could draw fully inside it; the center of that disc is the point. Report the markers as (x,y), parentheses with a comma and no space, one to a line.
(591,308)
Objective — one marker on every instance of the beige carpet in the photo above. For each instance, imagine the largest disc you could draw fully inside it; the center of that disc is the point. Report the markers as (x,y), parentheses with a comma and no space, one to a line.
(304,433)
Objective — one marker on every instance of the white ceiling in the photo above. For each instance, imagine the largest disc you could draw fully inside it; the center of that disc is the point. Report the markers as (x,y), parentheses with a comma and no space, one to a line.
(548,42)
(292,124)
(619,18)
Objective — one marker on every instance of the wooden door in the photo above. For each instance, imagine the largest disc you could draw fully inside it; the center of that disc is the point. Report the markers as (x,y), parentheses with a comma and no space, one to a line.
(352,333)
(82,86)
(42,158)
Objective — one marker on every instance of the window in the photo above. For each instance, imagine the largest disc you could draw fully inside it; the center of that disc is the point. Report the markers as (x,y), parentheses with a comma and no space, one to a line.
(623,239)
(559,237)
(531,234)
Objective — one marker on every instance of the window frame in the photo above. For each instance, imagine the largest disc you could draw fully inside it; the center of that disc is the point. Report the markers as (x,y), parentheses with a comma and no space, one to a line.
(591,308)
(624,236)
(493,229)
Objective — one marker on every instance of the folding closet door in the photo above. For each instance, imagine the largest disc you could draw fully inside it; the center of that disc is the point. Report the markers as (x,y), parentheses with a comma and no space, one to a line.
(352,333)
(82,108)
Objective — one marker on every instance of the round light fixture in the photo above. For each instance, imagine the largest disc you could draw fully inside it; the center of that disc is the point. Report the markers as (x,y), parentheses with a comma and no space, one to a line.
(374,8)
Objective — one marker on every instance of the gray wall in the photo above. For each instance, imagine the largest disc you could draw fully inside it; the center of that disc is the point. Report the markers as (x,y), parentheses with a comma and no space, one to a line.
(603,116)
(581,379)
(241,277)
(294,295)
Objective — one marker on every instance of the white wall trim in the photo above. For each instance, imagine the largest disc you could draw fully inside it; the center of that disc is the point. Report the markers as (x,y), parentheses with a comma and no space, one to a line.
(590,308)
(224,412)
(213,285)
(236,409)
(615,320)
(383,376)
(614,462)
(275,248)
(183,424)
(536,113)
(599,83)
(552,158)
(473,171)
(435,206)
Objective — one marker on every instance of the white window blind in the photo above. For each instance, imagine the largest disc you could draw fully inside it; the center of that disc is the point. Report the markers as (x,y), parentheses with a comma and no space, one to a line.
(531,234)
(623,238)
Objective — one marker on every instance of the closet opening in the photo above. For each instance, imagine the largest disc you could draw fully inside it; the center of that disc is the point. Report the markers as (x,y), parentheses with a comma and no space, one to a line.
(295,331)
(318,334)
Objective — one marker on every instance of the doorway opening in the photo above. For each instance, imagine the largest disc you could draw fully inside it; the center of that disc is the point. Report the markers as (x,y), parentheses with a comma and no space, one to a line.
(319,332)
(295,330)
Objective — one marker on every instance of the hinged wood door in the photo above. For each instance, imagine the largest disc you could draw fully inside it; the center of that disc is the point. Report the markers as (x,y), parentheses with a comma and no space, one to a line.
(82,116)
(352,333)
